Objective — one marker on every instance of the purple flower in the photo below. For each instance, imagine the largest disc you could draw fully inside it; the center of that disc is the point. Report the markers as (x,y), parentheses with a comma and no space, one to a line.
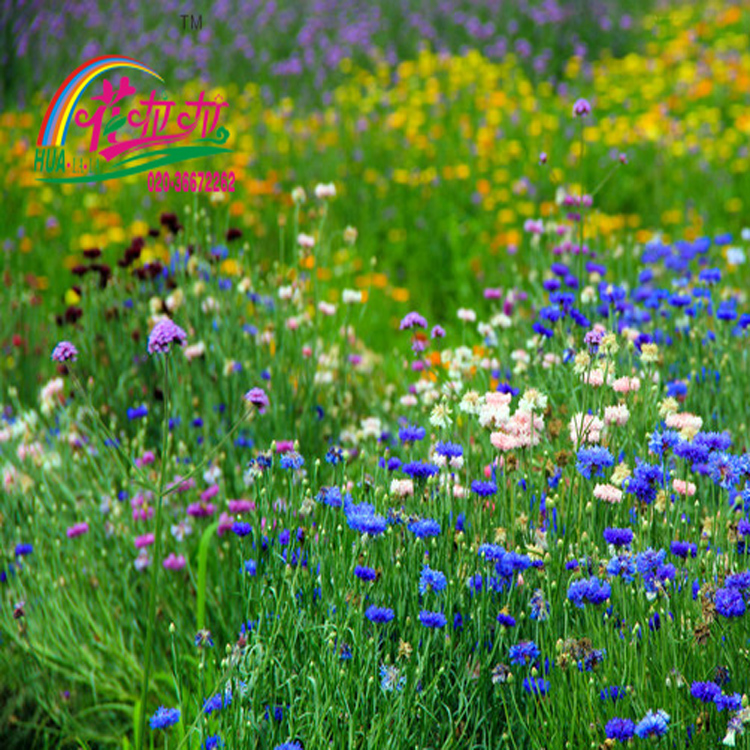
(581,108)
(258,397)
(163,334)
(412,320)
(64,352)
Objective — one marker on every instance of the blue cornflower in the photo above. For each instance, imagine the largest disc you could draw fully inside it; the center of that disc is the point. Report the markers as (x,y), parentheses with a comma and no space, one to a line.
(365,574)
(483,489)
(164,717)
(241,528)
(334,455)
(613,693)
(731,702)
(449,450)
(592,590)
(622,565)
(620,729)
(645,481)
(592,659)
(292,460)
(739,581)
(432,580)
(594,460)
(329,496)
(411,433)
(653,724)
(523,652)
(391,678)
(536,685)
(251,567)
(213,742)
(420,470)
(491,551)
(706,692)
(138,412)
(660,442)
(203,638)
(424,527)
(683,549)
(729,602)
(539,606)
(379,615)
(506,620)
(23,549)
(724,469)
(432,619)
(618,537)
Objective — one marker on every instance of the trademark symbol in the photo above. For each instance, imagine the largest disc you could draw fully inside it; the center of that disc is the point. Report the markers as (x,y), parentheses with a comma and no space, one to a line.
(196,22)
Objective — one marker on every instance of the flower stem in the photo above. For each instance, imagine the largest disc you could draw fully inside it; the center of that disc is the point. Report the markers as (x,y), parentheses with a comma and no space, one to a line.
(155,564)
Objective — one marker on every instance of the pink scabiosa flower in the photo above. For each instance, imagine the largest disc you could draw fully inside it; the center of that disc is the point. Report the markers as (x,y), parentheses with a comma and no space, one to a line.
(65,352)
(581,108)
(165,333)
(258,398)
(543,157)
(241,506)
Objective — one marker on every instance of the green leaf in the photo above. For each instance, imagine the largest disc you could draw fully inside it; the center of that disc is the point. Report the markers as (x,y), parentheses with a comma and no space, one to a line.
(209,536)
(114,124)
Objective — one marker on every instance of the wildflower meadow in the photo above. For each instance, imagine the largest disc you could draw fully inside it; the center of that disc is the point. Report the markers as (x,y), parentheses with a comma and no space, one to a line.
(400,400)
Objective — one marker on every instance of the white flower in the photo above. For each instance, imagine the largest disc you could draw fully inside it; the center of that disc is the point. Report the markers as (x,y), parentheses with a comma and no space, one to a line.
(468,316)
(441,416)
(286,292)
(532,400)
(325,190)
(351,296)
(326,308)
(305,240)
(736,255)
(299,195)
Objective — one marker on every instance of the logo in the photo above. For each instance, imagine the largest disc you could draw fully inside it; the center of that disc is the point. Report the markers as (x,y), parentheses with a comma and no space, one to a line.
(157,127)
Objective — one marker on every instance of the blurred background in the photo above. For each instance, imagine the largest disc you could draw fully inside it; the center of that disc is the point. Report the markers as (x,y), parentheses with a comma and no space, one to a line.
(429,118)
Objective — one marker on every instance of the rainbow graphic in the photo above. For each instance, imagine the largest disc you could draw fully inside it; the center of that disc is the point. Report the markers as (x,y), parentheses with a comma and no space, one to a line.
(54,128)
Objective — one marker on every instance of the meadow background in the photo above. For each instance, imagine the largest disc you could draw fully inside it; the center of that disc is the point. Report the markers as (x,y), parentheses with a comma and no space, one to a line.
(447,129)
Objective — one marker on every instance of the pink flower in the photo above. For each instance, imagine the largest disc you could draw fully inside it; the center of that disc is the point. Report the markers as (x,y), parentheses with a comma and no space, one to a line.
(617,415)
(594,378)
(145,540)
(207,494)
(681,487)
(581,108)
(225,524)
(585,428)
(77,530)
(284,446)
(241,506)
(608,493)
(626,385)
(174,562)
